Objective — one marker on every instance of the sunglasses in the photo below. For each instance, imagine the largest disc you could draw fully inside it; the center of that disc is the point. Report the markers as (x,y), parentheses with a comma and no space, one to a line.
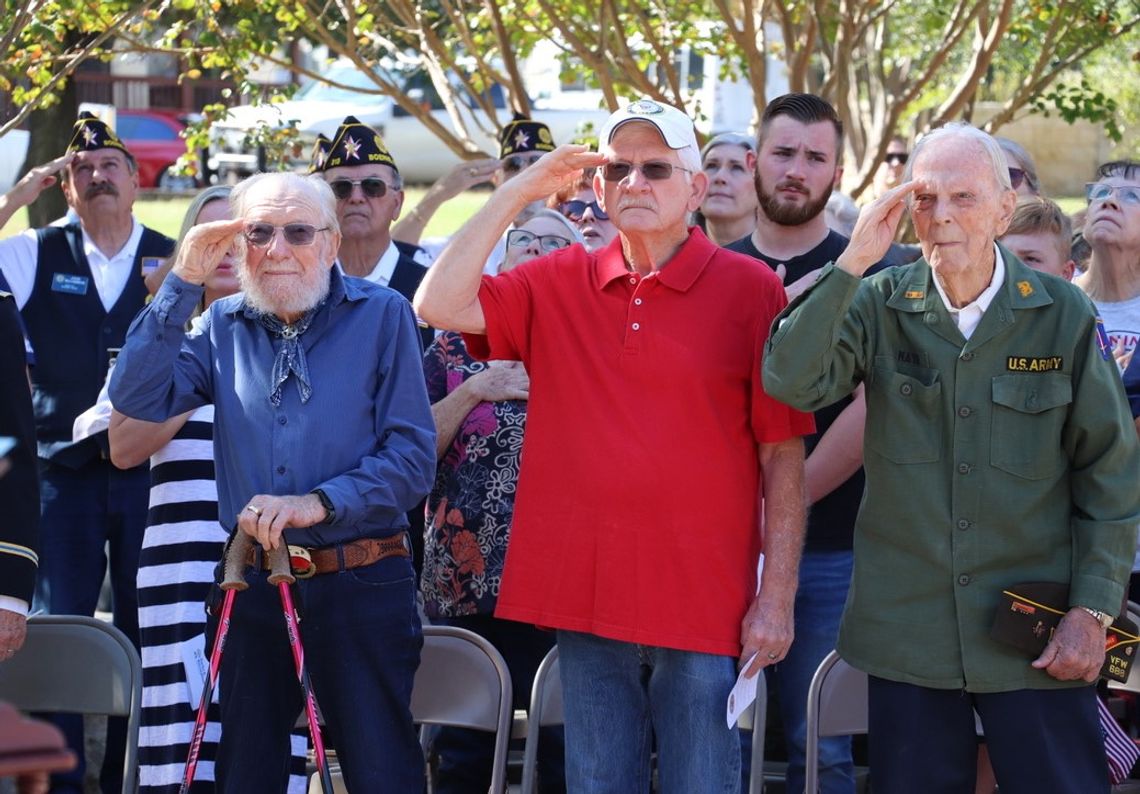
(517,162)
(1016,177)
(1098,191)
(574,210)
(261,234)
(370,186)
(897,158)
(655,170)
(521,238)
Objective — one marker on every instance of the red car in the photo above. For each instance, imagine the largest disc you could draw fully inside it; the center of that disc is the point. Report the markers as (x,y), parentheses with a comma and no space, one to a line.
(152,136)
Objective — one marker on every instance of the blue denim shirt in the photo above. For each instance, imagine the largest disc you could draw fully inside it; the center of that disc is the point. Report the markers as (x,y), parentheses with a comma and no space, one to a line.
(366,436)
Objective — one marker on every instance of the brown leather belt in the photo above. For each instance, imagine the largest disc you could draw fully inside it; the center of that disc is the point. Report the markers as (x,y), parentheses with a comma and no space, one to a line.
(307,562)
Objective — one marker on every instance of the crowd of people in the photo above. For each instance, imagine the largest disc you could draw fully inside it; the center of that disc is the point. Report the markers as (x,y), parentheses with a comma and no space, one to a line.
(681,411)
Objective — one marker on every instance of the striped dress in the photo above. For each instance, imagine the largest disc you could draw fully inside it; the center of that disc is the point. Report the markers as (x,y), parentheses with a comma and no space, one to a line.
(183,543)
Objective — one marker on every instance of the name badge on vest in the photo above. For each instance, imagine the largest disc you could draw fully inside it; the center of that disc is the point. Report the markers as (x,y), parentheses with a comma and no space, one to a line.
(73,285)
(151,264)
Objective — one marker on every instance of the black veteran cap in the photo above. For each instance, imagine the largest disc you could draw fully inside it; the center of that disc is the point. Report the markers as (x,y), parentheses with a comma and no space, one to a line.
(355,143)
(320,153)
(524,135)
(92,133)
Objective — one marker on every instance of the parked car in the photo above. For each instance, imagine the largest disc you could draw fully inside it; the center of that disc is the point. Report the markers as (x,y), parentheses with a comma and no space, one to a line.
(421,156)
(154,138)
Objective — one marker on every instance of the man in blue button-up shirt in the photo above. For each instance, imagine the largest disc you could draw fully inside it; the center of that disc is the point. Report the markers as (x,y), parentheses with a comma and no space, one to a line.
(323,439)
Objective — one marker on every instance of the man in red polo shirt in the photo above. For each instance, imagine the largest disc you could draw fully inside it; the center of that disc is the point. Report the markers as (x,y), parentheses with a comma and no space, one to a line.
(649,443)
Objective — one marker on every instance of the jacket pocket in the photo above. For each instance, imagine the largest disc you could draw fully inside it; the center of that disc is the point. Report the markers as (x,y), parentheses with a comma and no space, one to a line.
(903,417)
(1029,413)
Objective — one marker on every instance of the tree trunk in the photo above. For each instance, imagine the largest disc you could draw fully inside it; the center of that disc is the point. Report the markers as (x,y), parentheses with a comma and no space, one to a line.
(50,131)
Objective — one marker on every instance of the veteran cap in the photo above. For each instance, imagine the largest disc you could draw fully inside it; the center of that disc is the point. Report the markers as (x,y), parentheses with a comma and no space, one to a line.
(355,143)
(320,153)
(675,127)
(92,133)
(524,135)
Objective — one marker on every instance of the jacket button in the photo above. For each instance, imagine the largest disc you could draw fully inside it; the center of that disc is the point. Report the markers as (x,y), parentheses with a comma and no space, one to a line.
(964,411)
(964,468)
(963,523)
(963,580)
(280,469)
(906,389)
(968,356)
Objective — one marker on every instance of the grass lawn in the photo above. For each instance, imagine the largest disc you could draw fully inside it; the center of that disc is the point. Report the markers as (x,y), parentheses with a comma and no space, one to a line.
(164,213)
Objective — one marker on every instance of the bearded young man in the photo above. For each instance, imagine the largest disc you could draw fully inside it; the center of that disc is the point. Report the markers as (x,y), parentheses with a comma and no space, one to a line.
(324,439)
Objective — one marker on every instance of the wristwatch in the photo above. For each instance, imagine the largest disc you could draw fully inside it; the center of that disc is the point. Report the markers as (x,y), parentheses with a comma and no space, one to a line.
(327,504)
(1103,618)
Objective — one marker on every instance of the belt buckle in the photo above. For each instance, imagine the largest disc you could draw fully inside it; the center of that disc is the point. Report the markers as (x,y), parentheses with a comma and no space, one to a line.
(301,562)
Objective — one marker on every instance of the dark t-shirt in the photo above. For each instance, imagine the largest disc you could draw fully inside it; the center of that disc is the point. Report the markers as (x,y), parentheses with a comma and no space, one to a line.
(831,521)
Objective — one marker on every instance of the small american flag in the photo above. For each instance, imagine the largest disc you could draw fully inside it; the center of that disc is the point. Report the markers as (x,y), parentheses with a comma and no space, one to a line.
(1121,752)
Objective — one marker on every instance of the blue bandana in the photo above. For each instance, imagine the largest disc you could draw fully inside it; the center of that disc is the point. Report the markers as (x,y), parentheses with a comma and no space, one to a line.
(291,356)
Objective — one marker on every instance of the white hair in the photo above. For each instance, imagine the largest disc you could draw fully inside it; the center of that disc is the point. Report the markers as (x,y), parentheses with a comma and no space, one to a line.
(961,129)
(312,186)
(549,214)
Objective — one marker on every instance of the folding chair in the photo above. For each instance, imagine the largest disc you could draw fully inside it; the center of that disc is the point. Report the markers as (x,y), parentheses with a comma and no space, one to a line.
(78,665)
(462,682)
(546,710)
(836,706)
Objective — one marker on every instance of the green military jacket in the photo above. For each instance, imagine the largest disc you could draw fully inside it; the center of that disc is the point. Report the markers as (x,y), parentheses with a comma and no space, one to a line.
(1007,458)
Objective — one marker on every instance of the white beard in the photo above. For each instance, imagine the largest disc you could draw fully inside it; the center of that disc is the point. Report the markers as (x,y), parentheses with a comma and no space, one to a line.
(281,297)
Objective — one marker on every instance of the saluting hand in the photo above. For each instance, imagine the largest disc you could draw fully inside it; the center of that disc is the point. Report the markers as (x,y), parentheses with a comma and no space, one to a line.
(38,180)
(875,230)
(553,171)
(204,247)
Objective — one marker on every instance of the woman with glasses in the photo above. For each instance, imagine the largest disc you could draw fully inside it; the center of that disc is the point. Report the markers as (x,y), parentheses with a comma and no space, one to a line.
(729,208)
(480,414)
(1022,169)
(577,202)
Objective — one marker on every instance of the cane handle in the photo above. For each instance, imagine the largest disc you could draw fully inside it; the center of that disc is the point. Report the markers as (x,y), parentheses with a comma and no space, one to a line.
(237,556)
(279,569)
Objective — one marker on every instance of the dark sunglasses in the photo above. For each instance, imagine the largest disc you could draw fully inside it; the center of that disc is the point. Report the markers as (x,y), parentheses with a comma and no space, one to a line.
(897,158)
(517,162)
(1016,177)
(655,170)
(370,186)
(261,234)
(574,210)
(521,238)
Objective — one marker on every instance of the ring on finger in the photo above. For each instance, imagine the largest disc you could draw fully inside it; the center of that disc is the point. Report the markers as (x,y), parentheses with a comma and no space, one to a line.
(773,655)
(254,509)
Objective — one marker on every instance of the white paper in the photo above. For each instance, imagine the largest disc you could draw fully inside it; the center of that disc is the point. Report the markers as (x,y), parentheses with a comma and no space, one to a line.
(743,693)
(197,666)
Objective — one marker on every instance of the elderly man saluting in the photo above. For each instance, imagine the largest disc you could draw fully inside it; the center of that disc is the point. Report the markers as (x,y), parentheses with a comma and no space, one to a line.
(324,438)
(998,450)
(648,441)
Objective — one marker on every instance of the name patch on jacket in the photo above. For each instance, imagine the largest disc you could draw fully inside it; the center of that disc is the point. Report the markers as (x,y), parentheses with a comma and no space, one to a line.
(73,285)
(1034,364)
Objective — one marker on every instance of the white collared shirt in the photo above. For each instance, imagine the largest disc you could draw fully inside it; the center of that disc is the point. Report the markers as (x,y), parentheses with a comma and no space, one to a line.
(385,266)
(968,317)
(18,261)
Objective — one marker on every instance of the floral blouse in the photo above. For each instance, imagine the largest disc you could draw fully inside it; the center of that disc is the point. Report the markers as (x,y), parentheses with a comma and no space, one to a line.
(470,506)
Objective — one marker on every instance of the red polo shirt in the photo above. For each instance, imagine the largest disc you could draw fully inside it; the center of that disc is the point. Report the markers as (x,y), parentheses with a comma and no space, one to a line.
(637,509)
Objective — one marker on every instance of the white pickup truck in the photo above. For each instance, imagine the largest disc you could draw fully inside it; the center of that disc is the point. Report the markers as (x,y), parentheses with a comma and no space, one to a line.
(421,156)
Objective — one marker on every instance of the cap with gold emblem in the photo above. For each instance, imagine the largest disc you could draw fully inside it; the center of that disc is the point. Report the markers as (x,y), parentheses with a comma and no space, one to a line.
(355,143)
(320,153)
(92,133)
(524,135)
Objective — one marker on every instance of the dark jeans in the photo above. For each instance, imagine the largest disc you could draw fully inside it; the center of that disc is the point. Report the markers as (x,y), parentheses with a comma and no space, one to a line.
(466,756)
(1039,740)
(81,512)
(362,640)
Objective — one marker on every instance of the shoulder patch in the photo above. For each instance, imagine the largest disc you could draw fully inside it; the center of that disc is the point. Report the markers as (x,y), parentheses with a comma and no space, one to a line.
(1102,340)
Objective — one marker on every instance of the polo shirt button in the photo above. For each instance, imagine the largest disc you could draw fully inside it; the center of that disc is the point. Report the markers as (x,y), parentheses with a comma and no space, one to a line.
(963,580)
(964,468)
(964,411)
(280,469)
(637,301)
(906,389)
(963,523)
(636,326)
(632,280)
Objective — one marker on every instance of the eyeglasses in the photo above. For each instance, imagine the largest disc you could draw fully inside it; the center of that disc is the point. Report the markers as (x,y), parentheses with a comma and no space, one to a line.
(517,162)
(655,170)
(521,238)
(261,234)
(897,158)
(370,186)
(574,210)
(1016,177)
(1098,191)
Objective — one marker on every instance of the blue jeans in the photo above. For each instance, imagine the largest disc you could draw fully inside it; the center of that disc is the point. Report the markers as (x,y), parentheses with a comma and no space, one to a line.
(362,640)
(618,696)
(824,579)
(82,511)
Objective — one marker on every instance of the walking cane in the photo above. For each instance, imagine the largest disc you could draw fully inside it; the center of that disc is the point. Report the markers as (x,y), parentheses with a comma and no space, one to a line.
(281,575)
(232,581)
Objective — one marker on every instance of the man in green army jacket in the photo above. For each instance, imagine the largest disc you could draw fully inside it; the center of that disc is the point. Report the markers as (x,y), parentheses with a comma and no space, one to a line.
(998,450)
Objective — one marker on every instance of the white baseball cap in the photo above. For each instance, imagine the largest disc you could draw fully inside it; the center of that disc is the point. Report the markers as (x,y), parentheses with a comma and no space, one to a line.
(675,127)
